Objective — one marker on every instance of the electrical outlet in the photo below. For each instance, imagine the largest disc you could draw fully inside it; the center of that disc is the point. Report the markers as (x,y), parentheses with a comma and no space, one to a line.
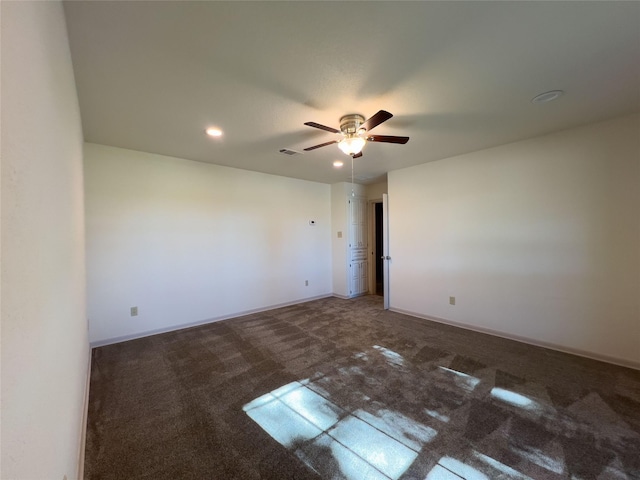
(452,300)
(134,311)
(306,283)
(339,234)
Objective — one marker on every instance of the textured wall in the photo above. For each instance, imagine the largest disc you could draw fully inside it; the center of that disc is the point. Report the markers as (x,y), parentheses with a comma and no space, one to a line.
(538,239)
(44,327)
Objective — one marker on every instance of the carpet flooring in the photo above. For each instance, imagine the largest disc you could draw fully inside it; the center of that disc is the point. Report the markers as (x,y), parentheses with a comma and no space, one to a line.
(342,389)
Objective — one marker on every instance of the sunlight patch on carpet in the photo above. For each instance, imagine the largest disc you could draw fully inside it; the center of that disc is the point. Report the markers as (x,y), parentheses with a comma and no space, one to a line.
(515,399)
(392,357)
(378,444)
(501,467)
(461,379)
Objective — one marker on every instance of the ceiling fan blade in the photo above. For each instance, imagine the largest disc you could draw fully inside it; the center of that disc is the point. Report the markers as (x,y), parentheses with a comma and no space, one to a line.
(357,155)
(377,119)
(322,127)
(321,145)
(387,139)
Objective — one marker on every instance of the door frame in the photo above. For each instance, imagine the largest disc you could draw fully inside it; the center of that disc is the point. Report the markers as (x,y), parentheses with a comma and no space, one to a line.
(371,217)
(386,264)
(372,254)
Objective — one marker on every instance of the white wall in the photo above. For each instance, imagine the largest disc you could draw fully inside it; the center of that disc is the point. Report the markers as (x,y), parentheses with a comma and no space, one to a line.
(375,191)
(537,239)
(45,350)
(188,242)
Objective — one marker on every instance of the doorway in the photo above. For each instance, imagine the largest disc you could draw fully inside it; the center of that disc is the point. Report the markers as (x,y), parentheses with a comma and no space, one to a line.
(378,252)
(379,242)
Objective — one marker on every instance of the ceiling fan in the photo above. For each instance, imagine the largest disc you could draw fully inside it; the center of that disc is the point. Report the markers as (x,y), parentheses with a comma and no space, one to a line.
(355,132)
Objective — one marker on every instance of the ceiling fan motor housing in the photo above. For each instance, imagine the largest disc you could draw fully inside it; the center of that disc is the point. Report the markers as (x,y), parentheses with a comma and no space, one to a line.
(350,124)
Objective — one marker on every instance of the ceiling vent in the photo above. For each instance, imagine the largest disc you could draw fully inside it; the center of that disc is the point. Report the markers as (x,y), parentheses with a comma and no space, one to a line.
(286,151)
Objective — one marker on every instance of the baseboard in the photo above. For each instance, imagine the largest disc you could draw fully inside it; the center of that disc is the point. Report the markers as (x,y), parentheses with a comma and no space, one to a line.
(530,341)
(343,297)
(148,333)
(349,297)
(85,414)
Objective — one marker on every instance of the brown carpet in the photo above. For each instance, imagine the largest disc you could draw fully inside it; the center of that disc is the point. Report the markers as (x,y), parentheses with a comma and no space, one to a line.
(341,389)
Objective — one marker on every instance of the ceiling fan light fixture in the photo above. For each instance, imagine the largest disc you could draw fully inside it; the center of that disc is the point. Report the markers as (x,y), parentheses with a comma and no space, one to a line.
(352,145)
(213,132)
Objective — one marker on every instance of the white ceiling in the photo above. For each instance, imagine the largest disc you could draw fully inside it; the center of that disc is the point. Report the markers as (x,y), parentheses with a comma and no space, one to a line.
(458,76)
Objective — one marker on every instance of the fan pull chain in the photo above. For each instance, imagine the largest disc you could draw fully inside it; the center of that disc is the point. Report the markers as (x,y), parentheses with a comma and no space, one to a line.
(353,193)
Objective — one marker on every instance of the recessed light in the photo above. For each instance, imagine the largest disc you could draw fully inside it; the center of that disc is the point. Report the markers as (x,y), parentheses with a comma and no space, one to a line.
(338,164)
(213,132)
(547,96)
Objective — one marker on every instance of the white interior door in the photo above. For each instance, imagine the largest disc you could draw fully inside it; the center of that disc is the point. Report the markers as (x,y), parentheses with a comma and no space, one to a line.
(385,249)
